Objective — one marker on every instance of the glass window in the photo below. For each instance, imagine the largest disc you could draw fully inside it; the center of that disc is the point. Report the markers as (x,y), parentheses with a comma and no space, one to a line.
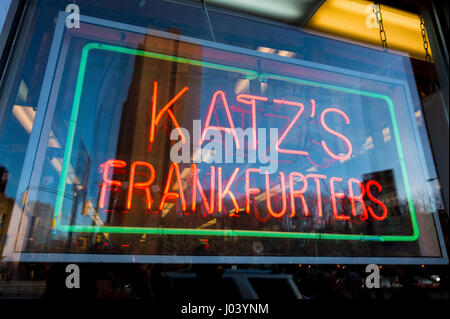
(135,138)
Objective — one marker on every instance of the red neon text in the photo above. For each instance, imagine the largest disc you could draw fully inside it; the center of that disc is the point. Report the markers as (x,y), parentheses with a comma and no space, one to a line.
(280,195)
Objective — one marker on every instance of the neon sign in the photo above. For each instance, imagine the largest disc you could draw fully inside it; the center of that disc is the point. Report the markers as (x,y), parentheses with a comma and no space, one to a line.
(223,191)
(287,200)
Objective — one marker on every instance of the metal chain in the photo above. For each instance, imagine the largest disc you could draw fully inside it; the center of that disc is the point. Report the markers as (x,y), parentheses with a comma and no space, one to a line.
(424,38)
(379,17)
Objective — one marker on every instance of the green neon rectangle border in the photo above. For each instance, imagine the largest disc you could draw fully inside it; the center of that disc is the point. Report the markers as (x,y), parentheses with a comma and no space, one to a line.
(249,74)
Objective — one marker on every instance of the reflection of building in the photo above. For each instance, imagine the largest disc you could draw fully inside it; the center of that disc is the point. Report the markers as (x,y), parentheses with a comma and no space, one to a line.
(394,223)
(133,141)
(5,206)
(80,183)
(389,194)
(398,220)
(38,216)
(3,178)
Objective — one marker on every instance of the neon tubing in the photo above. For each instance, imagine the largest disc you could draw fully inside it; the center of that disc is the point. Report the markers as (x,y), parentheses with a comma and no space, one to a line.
(142,186)
(250,74)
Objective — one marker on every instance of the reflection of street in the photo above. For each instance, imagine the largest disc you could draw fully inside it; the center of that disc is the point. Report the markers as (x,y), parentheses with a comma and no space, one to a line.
(145,281)
(6,205)
(22,289)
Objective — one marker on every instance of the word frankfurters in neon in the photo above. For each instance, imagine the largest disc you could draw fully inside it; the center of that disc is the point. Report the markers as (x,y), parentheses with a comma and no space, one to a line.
(292,188)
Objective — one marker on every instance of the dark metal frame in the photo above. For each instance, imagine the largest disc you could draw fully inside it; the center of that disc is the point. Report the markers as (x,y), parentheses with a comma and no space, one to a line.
(437,115)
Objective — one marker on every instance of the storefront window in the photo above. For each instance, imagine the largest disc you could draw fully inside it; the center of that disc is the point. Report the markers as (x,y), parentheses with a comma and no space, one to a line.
(158,133)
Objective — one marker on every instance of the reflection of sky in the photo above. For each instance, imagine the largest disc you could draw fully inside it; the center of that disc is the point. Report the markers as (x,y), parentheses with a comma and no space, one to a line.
(102,101)
(4,5)
(105,89)
(11,144)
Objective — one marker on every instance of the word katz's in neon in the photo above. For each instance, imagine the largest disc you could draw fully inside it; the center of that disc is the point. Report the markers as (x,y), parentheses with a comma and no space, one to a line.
(251,101)
(292,188)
